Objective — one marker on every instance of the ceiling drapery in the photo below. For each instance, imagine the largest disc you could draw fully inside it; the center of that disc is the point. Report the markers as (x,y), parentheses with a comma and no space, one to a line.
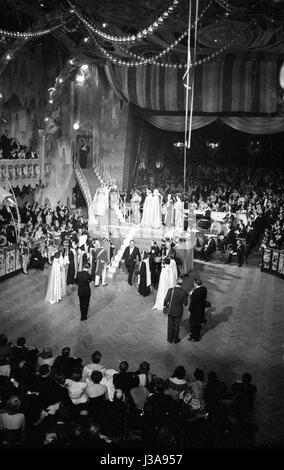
(250,125)
(237,83)
(176,123)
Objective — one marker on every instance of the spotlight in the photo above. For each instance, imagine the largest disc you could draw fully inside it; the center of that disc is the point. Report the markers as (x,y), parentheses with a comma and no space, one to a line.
(104,25)
(84,67)
(76,126)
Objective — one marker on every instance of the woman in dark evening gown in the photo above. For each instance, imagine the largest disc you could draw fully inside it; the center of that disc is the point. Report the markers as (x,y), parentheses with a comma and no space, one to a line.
(144,277)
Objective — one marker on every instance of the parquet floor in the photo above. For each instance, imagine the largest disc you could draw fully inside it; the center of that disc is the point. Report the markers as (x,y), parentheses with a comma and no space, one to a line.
(245,332)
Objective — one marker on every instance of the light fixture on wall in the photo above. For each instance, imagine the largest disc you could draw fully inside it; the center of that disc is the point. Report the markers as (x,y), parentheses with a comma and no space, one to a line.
(76,126)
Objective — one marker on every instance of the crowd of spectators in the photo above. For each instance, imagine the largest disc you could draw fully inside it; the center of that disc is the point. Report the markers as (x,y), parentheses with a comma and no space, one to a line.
(253,195)
(39,222)
(11,149)
(60,402)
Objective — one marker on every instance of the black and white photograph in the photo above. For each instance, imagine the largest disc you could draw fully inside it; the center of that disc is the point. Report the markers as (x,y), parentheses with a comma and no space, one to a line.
(141,228)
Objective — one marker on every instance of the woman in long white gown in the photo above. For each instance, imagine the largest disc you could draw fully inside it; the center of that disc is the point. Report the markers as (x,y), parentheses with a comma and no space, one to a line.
(156,210)
(101,200)
(169,215)
(147,210)
(56,289)
(167,280)
(179,213)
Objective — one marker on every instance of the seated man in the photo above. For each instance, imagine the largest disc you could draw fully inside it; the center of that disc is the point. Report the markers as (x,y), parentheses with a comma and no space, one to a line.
(208,248)
(239,251)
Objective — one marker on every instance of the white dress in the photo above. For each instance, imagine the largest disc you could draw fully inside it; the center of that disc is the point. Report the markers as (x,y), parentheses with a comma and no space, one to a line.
(147,211)
(100,201)
(167,280)
(156,210)
(56,289)
(179,215)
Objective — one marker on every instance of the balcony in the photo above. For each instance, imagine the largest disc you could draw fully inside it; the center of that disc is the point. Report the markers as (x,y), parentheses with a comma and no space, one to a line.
(20,173)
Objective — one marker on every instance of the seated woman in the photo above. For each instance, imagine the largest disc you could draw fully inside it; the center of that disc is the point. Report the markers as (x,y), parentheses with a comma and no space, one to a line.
(12,423)
(197,390)
(177,383)
(96,392)
(45,358)
(77,391)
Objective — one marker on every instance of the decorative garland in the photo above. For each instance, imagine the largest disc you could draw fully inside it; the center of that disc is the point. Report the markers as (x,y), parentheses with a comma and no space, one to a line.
(170,46)
(134,37)
(149,61)
(27,35)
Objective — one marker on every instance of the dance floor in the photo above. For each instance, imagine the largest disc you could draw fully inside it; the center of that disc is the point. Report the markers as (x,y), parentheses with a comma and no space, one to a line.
(244,332)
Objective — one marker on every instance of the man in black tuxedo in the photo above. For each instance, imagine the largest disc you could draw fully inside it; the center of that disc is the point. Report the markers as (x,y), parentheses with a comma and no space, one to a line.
(175,299)
(130,255)
(197,309)
(209,248)
(84,291)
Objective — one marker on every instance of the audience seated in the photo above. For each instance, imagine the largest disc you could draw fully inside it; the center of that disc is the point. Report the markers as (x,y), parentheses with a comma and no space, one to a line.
(49,403)
(13,150)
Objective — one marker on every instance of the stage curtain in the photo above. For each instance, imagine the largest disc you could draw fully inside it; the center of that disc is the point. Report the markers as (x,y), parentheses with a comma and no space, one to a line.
(176,123)
(256,125)
(230,85)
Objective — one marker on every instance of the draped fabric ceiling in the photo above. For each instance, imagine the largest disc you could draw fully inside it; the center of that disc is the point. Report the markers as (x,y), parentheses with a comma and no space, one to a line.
(241,89)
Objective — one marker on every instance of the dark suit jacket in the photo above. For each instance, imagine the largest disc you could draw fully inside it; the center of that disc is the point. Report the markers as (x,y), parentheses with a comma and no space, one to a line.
(180,298)
(129,259)
(197,303)
(84,278)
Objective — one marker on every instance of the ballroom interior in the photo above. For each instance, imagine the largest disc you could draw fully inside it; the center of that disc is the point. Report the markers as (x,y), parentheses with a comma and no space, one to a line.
(140,94)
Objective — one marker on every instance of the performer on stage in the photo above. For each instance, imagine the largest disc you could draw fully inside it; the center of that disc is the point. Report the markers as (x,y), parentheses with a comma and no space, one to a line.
(135,206)
(56,289)
(147,210)
(73,265)
(169,216)
(130,255)
(179,213)
(144,277)
(167,280)
(113,196)
(156,210)
(102,261)
(100,201)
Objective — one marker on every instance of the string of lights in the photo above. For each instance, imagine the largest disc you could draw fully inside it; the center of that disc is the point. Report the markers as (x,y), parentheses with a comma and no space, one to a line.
(170,46)
(124,63)
(130,38)
(29,34)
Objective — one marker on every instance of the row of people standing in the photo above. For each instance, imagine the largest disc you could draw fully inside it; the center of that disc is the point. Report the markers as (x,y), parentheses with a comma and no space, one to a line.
(157,212)
(72,259)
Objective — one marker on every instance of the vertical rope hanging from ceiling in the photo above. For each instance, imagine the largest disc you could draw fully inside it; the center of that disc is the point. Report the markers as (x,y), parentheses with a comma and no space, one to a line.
(189,85)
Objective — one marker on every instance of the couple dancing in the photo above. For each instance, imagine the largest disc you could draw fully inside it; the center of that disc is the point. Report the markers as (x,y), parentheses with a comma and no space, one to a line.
(152,210)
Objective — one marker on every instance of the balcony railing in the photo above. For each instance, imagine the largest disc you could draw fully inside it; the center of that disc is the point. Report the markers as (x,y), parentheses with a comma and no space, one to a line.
(27,172)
